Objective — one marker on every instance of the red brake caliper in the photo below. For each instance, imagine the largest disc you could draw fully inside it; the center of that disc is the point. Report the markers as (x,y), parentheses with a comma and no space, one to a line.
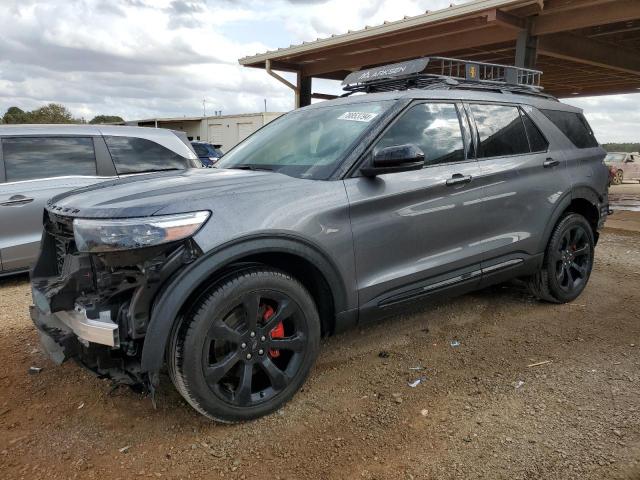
(277,332)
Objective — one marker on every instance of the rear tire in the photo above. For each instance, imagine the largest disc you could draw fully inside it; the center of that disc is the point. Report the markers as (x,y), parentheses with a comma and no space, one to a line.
(247,347)
(567,263)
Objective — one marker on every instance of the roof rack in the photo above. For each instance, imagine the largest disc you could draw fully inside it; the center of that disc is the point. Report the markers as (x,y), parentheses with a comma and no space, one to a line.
(442,72)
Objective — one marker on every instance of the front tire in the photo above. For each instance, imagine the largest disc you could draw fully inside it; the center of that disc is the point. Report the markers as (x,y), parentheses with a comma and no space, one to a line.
(248,346)
(568,261)
(618,178)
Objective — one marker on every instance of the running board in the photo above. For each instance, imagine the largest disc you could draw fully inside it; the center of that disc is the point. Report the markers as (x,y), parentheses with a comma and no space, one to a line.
(449,282)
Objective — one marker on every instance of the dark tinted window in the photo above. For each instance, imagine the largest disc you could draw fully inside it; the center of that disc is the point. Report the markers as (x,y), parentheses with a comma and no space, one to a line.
(574,126)
(433,127)
(28,158)
(536,141)
(501,131)
(136,155)
(200,149)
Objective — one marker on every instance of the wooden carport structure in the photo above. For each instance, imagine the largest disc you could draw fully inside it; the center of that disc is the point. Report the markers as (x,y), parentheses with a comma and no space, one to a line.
(584,47)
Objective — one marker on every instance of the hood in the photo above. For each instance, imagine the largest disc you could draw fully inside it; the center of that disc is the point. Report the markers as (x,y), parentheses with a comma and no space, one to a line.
(166,192)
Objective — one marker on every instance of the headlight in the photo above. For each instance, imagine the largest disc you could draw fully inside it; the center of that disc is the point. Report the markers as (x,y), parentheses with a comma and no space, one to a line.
(108,235)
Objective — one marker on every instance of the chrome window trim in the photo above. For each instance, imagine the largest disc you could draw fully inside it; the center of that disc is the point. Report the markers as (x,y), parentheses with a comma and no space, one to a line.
(97,177)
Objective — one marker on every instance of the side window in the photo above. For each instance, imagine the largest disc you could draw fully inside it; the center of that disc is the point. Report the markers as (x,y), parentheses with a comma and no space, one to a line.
(137,155)
(434,127)
(574,126)
(201,150)
(500,130)
(30,158)
(537,142)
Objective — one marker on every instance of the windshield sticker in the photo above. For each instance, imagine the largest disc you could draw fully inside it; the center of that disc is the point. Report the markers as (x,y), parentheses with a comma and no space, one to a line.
(358,116)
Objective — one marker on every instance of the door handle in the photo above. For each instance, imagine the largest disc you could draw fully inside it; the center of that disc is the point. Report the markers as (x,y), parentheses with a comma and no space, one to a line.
(458,179)
(16,200)
(550,162)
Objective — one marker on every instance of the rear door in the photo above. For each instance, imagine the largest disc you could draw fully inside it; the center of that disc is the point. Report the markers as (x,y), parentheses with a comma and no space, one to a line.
(133,155)
(580,148)
(416,232)
(524,176)
(36,169)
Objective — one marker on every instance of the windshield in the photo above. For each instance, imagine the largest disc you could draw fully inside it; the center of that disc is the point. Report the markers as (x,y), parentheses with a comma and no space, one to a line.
(305,143)
(614,157)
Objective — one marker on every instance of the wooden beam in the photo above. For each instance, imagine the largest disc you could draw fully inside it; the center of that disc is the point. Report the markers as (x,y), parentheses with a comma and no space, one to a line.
(505,19)
(419,48)
(323,96)
(582,17)
(593,91)
(581,49)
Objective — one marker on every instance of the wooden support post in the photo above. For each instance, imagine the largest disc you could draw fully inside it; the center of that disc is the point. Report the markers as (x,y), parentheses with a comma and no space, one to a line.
(526,48)
(303,92)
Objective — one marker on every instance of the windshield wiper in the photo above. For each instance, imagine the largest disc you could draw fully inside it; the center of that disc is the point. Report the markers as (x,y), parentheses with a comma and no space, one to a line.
(253,168)
(152,170)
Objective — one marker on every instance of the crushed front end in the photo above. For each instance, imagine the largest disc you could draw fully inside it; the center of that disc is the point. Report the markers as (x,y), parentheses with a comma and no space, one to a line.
(94,306)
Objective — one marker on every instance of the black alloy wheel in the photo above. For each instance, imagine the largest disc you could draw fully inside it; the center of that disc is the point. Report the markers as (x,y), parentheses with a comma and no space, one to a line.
(247,347)
(568,261)
(254,351)
(572,258)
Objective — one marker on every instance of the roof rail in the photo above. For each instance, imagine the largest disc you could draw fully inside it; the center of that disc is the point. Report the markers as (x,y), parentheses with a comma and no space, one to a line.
(443,72)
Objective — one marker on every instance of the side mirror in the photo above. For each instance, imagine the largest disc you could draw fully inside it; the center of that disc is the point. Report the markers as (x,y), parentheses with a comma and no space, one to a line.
(398,158)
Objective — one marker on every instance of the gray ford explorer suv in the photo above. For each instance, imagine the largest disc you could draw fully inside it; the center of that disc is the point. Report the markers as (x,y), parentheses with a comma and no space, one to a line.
(443,177)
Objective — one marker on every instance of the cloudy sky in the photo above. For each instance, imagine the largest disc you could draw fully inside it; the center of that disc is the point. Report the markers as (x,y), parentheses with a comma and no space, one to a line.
(147,58)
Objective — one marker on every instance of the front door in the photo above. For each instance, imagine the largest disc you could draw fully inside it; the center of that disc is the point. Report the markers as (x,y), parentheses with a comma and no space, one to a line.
(416,232)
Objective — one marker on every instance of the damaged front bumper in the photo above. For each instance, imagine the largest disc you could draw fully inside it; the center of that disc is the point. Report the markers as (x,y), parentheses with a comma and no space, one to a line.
(87,330)
(95,308)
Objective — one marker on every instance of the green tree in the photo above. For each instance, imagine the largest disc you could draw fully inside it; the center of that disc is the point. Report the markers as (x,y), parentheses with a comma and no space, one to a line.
(15,115)
(106,119)
(52,113)
(621,147)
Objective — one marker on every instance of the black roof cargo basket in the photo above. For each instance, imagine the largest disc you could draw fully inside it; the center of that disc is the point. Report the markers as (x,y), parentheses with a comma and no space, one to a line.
(442,72)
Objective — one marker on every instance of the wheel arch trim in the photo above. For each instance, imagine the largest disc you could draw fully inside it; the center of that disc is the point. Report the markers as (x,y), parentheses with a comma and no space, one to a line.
(577,193)
(179,288)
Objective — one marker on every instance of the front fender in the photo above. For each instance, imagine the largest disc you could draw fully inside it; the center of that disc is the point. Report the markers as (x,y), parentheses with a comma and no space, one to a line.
(180,287)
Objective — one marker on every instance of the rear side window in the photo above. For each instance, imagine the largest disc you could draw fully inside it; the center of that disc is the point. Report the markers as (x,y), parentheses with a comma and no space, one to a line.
(138,155)
(30,158)
(574,126)
(500,130)
(433,127)
(537,142)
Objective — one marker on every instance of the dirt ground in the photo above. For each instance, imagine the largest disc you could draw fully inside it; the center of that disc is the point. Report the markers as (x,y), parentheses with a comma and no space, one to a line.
(481,410)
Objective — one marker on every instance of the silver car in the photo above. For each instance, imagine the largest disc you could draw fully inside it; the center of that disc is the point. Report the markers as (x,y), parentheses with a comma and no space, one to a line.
(38,162)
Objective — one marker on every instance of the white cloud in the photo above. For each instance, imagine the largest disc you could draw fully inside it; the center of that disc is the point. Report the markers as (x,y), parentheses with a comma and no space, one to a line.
(145,58)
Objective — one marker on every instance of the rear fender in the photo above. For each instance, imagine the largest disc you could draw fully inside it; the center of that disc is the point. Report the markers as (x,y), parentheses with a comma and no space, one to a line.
(581,192)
